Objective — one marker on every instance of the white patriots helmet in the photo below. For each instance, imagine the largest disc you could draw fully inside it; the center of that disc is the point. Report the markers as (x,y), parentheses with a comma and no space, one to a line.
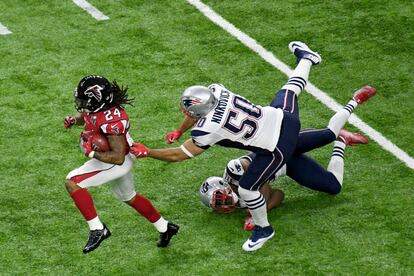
(215,193)
(233,172)
(198,101)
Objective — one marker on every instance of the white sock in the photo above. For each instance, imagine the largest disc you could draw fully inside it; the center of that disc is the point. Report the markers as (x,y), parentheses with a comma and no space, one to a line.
(297,81)
(95,224)
(161,225)
(256,204)
(336,164)
(341,117)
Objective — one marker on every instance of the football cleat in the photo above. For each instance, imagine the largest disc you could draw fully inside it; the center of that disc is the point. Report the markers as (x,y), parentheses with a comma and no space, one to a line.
(249,224)
(364,93)
(95,239)
(259,236)
(351,138)
(172,229)
(301,50)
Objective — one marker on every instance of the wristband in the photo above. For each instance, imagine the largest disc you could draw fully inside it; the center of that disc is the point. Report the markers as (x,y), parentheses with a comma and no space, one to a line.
(91,154)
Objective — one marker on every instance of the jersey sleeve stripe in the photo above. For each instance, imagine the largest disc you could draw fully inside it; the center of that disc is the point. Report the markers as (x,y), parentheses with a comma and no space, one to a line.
(186,151)
(197,133)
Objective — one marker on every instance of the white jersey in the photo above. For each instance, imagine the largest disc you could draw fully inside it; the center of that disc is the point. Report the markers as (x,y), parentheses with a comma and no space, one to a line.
(236,122)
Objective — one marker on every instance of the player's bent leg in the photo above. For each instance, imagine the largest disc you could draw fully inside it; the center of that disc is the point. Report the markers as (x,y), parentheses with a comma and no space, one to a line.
(93,173)
(310,139)
(84,202)
(166,229)
(308,173)
(124,190)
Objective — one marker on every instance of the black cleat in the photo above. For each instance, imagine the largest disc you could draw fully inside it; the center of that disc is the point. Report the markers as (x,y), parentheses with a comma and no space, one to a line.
(95,239)
(172,229)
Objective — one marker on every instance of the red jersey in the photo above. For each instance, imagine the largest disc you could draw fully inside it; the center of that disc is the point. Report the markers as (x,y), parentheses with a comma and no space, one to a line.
(113,121)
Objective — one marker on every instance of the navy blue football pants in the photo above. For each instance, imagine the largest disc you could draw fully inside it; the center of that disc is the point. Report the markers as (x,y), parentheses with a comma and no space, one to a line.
(306,171)
(266,163)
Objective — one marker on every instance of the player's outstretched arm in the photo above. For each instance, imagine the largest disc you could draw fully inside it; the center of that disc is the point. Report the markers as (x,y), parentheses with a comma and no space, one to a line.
(186,124)
(185,151)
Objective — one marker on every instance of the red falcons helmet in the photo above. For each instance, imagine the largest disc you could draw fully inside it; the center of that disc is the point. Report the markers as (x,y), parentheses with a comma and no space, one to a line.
(218,195)
(93,94)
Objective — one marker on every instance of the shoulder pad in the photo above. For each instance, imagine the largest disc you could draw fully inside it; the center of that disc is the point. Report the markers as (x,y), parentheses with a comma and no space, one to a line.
(216,86)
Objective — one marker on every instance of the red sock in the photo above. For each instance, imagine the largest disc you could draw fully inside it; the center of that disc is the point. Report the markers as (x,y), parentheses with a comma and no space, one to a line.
(84,202)
(145,208)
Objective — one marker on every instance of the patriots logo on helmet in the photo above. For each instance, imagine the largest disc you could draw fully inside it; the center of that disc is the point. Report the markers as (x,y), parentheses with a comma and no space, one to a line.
(94,92)
(189,102)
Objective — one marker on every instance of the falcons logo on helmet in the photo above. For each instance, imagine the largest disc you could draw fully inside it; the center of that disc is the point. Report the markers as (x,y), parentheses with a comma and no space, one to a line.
(189,102)
(94,92)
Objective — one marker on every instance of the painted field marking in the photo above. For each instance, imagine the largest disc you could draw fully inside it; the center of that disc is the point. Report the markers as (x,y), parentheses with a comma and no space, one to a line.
(313,90)
(94,12)
(4,30)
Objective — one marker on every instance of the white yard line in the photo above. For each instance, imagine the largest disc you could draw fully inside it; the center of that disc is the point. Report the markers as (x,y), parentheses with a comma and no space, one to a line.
(94,12)
(313,90)
(4,30)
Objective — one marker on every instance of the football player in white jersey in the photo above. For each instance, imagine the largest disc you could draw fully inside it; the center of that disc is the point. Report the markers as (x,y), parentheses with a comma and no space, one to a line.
(230,120)
(101,109)
(306,171)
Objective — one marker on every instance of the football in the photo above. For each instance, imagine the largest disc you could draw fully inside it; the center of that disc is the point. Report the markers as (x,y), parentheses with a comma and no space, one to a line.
(99,141)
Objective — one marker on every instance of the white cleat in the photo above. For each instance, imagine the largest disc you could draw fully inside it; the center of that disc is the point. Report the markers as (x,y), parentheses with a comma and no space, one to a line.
(301,50)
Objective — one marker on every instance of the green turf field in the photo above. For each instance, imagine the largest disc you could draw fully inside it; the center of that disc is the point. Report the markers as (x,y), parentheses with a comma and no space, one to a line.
(158,48)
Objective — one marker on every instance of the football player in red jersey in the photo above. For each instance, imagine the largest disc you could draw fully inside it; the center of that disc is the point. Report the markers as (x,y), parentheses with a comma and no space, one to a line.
(100,104)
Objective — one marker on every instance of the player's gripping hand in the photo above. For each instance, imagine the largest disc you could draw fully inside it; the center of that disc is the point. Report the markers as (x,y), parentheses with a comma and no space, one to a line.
(173,136)
(87,145)
(69,121)
(139,150)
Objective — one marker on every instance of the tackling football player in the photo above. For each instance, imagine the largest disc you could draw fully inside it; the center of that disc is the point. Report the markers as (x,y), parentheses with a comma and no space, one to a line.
(230,120)
(216,193)
(100,104)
